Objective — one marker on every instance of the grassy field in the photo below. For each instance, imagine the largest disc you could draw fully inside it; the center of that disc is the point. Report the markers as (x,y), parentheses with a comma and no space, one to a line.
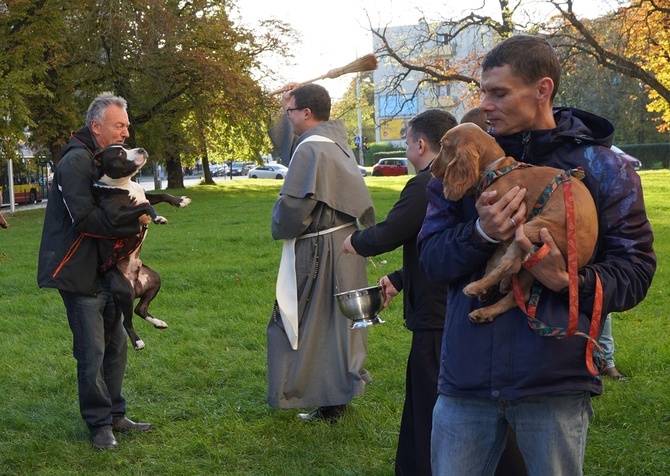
(201,382)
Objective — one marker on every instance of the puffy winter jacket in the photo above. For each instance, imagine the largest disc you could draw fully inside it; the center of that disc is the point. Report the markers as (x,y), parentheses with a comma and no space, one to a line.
(507,359)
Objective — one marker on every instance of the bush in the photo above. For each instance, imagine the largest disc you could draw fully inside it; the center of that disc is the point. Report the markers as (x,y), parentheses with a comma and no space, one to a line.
(652,156)
(388,155)
(375,148)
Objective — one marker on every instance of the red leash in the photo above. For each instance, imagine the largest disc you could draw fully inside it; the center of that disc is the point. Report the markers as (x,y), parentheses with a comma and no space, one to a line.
(593,349)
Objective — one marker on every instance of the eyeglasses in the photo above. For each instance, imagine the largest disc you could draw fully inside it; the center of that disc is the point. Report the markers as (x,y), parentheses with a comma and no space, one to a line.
(289,109)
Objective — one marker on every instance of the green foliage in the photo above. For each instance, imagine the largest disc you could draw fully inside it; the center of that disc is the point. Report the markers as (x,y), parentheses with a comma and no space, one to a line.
(168,59)
(201,382)
(347,107)
(621,100)
(388,154)
(376,151)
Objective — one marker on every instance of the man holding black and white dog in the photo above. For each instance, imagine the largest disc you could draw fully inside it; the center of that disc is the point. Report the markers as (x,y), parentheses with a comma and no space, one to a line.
(68,261)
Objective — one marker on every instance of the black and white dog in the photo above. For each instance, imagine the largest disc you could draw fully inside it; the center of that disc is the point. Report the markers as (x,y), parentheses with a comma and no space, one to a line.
(124,201)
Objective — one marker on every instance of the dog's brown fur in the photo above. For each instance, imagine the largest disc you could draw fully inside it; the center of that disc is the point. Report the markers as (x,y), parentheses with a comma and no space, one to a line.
(466,152)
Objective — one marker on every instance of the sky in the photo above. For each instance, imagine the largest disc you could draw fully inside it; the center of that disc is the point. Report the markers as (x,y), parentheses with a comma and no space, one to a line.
(336,32)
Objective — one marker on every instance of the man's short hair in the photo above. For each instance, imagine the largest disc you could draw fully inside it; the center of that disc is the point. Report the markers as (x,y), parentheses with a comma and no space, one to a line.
(96,111)
(476,116)
(530,57)
(314,97)
(431,124)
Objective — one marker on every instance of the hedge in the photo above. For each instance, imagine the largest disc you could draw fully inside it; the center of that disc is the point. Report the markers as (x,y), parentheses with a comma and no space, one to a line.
(652,156)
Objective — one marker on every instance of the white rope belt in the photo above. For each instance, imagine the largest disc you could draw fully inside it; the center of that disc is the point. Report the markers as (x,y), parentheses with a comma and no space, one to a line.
(287,286)
(325,232)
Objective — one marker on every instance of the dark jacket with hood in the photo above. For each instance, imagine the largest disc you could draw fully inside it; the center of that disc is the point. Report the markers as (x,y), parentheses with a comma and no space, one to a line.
(68,258)
(506,359)
(424,302)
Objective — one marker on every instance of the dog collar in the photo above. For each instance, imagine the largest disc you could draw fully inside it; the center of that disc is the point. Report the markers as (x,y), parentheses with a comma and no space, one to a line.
(489,175)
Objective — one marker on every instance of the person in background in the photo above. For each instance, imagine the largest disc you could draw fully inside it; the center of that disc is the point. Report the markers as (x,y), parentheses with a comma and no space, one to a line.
(424,303)
(314,359)
(476,116)
(68,261)
(503,373)
(606,342)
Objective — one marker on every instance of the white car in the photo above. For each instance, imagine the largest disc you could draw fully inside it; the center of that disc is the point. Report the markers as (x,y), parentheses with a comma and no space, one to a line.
(271,171)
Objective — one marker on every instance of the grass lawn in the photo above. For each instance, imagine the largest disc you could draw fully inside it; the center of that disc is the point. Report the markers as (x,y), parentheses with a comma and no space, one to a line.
(201,382)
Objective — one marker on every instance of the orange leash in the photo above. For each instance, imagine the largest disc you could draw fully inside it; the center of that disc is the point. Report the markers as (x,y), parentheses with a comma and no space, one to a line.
(594,358)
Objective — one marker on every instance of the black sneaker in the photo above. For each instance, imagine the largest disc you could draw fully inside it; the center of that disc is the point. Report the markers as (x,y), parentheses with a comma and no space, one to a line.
(331,414)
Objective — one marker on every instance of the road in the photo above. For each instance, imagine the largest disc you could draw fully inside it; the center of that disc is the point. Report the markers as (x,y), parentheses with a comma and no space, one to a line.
(146,182)
(189,180)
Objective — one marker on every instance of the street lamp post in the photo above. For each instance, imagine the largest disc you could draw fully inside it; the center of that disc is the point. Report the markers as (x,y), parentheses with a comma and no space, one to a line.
(360,120)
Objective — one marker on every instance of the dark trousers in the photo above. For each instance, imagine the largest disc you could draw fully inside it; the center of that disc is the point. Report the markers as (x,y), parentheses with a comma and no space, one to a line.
(100,349)
(423,367)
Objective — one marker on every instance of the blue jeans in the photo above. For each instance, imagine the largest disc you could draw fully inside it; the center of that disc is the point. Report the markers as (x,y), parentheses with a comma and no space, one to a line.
(606,341)
(100,348)
(469,434)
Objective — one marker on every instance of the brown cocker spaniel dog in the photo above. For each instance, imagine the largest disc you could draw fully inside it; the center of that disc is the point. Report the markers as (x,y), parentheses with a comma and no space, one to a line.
(467,157)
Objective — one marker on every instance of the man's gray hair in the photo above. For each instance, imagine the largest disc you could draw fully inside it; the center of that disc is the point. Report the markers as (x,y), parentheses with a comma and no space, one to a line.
(96,111)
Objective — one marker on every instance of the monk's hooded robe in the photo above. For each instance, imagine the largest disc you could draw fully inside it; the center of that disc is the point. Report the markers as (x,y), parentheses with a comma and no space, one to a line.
(320,362)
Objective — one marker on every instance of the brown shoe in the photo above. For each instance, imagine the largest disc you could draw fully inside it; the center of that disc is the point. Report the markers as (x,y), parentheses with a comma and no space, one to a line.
(614,374)
(123,424)
(103,439)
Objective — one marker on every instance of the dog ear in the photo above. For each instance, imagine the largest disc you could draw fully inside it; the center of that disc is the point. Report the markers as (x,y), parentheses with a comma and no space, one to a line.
(96,158)
(462,172)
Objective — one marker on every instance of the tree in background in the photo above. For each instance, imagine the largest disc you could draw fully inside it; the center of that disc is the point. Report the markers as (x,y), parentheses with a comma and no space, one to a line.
(166,57)
(347,108)
(631,42)
(32,39)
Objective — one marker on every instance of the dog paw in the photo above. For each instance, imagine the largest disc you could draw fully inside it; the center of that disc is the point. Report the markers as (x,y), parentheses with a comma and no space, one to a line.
(185,201)
(160,220)
(471,290)
(139,345)
(157,323)
(479,317)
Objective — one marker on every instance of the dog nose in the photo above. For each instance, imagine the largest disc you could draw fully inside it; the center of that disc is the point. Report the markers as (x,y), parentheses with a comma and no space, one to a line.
(143,152)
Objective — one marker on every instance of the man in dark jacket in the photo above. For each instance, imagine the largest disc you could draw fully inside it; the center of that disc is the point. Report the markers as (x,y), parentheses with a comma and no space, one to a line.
(504,373)
(68,261)
(424,303)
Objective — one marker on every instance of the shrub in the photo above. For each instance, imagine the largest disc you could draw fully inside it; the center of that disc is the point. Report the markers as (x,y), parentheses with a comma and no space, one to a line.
(652,156)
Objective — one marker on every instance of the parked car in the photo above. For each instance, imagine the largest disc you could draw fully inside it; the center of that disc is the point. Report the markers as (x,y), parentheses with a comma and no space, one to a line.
(271,171)
(363,170)
(218,170)
(237,168)
(388,167)
(247,167)
(637,165)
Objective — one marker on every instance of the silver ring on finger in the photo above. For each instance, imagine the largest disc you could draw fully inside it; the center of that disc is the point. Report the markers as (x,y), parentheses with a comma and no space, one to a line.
(513,222)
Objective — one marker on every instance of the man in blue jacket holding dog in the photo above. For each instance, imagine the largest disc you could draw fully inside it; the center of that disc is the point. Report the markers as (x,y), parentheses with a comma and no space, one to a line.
(504,373)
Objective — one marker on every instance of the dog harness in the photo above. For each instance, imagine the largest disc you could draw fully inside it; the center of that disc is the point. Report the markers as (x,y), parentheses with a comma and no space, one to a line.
(120,251)
(123,249)
(595,357)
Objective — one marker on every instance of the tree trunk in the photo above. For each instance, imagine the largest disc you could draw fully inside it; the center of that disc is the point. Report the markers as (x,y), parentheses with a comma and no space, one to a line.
(175,174)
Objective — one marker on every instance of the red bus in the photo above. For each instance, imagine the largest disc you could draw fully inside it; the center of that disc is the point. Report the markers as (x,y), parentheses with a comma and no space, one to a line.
(31,182)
